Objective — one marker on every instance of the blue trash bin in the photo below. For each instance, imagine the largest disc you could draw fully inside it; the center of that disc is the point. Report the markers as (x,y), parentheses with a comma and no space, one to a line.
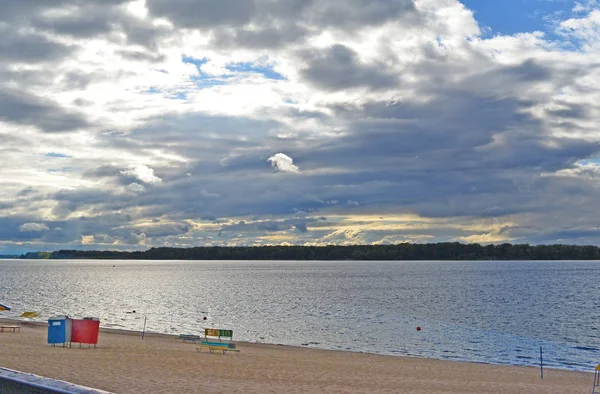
(59,330)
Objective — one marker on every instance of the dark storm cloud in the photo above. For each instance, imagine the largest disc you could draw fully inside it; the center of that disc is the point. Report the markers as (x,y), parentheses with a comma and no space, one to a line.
(569,111)
(216,137)
(358,13)
(24,108)
(71,201)
(464,127)
(269,226)
(19,47)
(301,227)
(208,218)
(96,20)
(346,14)
(461,153)
(203,13)
(17,10)
(81,24)
(528,71)
(14,10)
(33,79)
(207,193)
(446,129)
(141,56)
(264,38)
(163,230)
(27,21)
(338,68)
(537,153)
(272,24)
(424,156)
(87,196)
(104,171)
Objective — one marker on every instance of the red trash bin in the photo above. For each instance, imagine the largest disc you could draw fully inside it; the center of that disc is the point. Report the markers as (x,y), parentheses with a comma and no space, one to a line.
(85,331)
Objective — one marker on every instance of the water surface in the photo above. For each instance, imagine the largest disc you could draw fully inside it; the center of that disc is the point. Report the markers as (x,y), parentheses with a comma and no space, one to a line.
(484,311)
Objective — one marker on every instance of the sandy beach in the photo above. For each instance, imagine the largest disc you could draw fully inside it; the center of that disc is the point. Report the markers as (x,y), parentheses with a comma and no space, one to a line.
(123,363)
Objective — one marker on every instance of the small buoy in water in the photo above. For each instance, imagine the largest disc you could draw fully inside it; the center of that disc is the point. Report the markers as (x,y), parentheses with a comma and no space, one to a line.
(418,328)
(204,318)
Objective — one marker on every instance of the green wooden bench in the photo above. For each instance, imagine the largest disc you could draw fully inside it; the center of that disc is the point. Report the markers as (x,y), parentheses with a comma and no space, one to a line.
(213,341)
(217,348)
(188,338)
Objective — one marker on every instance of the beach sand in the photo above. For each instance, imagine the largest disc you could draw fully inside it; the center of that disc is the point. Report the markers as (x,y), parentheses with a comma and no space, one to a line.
(123,363)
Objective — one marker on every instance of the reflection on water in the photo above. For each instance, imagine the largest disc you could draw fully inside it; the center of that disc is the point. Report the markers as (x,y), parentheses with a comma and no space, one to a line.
(495,312)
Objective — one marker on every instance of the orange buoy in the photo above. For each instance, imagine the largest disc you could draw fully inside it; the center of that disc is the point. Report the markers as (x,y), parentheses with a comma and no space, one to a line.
(418,328)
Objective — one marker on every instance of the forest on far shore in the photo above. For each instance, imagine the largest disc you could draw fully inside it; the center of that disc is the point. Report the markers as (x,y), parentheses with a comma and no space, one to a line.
(403,251)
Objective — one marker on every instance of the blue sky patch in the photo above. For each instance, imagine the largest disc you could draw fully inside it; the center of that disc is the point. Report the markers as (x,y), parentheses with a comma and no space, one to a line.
(519,16)
(207,82)
(196,62)
(152,90)
(181,95)
(248,67)
(589,161)
(57,155)
(202,80)
(63,169)
(178,95)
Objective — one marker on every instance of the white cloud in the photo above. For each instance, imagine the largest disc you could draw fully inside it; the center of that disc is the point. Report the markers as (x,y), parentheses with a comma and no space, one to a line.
(283,163)
(33,227)
(143,173)
(585,29)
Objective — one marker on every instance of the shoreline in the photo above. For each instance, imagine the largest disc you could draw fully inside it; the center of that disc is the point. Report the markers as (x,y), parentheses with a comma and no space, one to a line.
(138,334)
(123,363)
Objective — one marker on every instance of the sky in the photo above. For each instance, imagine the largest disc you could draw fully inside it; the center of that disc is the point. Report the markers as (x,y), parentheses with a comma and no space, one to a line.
(126,125)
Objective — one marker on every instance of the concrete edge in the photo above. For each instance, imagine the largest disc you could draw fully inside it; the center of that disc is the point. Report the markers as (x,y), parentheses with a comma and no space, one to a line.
(47,384)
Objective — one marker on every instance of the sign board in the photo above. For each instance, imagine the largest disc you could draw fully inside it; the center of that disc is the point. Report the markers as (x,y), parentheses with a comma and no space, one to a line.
(214,332)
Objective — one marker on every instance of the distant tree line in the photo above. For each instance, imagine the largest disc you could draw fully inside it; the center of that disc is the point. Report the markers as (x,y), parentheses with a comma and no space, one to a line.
(403,251)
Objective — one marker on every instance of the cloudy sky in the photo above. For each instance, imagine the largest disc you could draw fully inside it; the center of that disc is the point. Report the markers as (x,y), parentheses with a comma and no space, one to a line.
(132,124)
